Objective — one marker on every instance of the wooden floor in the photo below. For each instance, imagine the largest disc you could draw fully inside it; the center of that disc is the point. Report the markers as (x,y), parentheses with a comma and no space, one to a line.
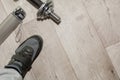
(85,46)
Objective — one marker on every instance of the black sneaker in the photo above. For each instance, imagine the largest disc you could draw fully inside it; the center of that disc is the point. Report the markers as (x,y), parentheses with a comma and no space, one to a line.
(25,55)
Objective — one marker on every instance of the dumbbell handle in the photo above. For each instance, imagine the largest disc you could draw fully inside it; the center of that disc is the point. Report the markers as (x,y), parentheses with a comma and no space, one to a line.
(45,10)
(36,3)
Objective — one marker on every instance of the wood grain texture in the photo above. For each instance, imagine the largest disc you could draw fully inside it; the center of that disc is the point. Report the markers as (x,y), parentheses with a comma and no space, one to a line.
(113,8)
(114,50)
(100,15)
(114,53)
(3,13)
(105,15)
(84,48)
(74,50)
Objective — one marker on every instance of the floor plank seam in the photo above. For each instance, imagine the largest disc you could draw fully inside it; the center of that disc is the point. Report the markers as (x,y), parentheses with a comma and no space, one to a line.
(109,15)
(67,56)
(99,38)
(113,44)
(108,12)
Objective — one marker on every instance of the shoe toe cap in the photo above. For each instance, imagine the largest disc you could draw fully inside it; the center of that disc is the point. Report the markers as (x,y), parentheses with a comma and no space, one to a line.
(35,42)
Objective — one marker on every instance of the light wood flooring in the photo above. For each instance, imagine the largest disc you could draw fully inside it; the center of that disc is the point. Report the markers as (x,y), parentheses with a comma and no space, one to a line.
(85,46)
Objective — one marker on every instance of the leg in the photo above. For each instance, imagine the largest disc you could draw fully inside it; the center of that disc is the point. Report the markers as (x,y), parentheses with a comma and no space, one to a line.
(22,61)
(9,74)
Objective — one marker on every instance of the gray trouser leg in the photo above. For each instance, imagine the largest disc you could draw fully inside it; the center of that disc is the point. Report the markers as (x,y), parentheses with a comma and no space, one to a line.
(9,74)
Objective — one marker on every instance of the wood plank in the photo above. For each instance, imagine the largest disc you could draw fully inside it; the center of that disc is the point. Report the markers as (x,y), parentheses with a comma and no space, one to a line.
(82,44)
(100,16)
(114,53)
(105,16)
(53,63)
(7,49)
(113,7)
(2,12)
(10,5)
